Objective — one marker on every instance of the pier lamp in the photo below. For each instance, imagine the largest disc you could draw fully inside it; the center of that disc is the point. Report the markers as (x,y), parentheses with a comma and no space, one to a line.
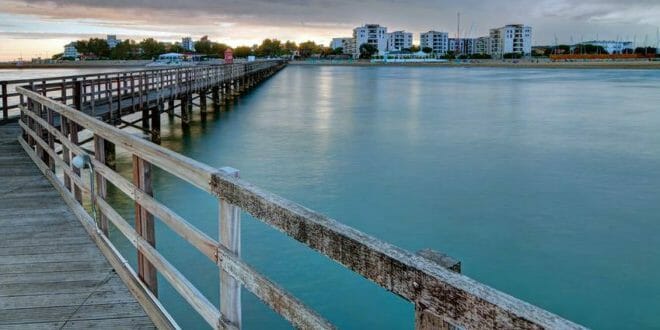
(81,162)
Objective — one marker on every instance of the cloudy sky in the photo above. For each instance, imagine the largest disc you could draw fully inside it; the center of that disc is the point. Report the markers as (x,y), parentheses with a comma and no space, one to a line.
(31,28)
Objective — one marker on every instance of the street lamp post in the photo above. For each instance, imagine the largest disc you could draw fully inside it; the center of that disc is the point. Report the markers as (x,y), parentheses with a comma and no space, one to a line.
(81,162)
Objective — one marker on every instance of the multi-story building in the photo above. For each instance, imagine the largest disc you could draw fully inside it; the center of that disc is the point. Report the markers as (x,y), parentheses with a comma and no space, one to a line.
(346,44)
(437,41)
(399,40)
(612,47)
(188,44)
(463,46)
(70,51)
(112,40)
(514,38)
(372,34)
(482,45)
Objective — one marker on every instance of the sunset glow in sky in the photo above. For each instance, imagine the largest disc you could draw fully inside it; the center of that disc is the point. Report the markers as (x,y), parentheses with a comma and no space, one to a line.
(38,28)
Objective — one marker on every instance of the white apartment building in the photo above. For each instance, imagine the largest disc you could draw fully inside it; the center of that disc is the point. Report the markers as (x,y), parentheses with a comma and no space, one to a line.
(346,44)
(612,47)
(482,45)
(514,38)
(188,44)
(437,41)
(463,46)
(372,34)
(399,40)
(70,51)
(112,40)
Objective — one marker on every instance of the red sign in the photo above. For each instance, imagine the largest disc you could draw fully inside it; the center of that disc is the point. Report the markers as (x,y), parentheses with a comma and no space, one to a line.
(229,56)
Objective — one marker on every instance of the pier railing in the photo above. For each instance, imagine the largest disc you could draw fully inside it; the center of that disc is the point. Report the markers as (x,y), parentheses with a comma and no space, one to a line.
(440,296)
(90,91)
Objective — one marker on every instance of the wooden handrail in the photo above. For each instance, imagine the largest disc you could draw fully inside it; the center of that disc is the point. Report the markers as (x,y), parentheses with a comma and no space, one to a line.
(457,298)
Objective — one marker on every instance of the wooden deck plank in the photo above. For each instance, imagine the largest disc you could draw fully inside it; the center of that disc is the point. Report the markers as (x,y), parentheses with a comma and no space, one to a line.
(52,275)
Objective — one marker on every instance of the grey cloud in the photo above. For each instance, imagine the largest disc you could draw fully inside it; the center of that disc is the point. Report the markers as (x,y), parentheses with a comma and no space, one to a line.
(549,17)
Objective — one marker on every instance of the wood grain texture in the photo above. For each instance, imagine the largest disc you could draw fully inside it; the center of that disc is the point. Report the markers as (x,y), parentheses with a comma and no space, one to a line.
(52,275)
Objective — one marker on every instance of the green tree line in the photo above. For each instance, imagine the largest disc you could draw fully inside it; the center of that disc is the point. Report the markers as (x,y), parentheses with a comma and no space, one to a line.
(150,48)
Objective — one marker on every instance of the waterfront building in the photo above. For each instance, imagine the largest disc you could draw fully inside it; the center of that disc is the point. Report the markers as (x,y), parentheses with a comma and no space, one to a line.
(112,40)
(70,51)
(463,46)
(399,40)
(187,44)
(513,38)
(372,34)
(611,46)
(482,45)
(346,44)
(437,41)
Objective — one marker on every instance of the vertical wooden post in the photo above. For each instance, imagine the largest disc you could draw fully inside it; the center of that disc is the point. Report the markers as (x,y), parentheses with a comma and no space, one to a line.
(64,128)
(202,104)
(425,320)
(144,222)
(73,130)
(170,109)
(51,138)
(215,92)
(5,106)
(155,123)
(101,185)
(230,238)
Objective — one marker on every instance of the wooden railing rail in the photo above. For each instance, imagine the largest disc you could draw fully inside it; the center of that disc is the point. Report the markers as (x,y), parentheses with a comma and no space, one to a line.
(434,290)
(100,86)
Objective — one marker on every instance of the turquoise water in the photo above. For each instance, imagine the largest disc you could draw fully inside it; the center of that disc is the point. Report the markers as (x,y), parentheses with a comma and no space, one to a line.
(544,183)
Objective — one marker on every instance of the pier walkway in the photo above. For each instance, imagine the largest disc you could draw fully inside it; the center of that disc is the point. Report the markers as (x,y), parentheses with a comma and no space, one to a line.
(52,275)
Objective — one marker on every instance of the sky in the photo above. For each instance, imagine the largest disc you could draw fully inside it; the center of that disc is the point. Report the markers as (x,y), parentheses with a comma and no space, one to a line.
(40,28)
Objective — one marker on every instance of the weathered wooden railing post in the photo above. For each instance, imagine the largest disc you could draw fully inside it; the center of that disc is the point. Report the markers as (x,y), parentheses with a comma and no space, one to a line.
(100,153)
(230,238)
(425,320)
(144,222)
(73,130)
(5,105)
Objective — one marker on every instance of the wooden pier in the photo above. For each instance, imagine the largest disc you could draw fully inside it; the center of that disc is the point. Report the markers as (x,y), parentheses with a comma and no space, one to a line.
(52,275)
(55,112)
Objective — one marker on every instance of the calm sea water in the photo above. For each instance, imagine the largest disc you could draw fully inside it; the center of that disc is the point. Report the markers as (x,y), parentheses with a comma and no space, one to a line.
(544,183)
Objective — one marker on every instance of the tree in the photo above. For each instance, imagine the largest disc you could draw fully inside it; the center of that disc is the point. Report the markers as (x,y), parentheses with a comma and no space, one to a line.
(57,56)
(242,51)
(151,48)
(338,51)
(414,49)
(204,47)
(175,48)
(93,46)
(270,48)
(512,55)
(450,55)
(427,50)
(308,48)
(367,50)
(290,47)
(218,49)
(125,50)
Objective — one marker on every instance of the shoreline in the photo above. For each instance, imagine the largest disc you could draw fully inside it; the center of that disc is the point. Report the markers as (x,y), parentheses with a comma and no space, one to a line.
(640,65)
(632,65)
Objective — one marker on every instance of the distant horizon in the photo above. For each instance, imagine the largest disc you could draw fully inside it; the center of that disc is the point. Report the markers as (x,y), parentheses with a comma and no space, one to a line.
(39,28)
